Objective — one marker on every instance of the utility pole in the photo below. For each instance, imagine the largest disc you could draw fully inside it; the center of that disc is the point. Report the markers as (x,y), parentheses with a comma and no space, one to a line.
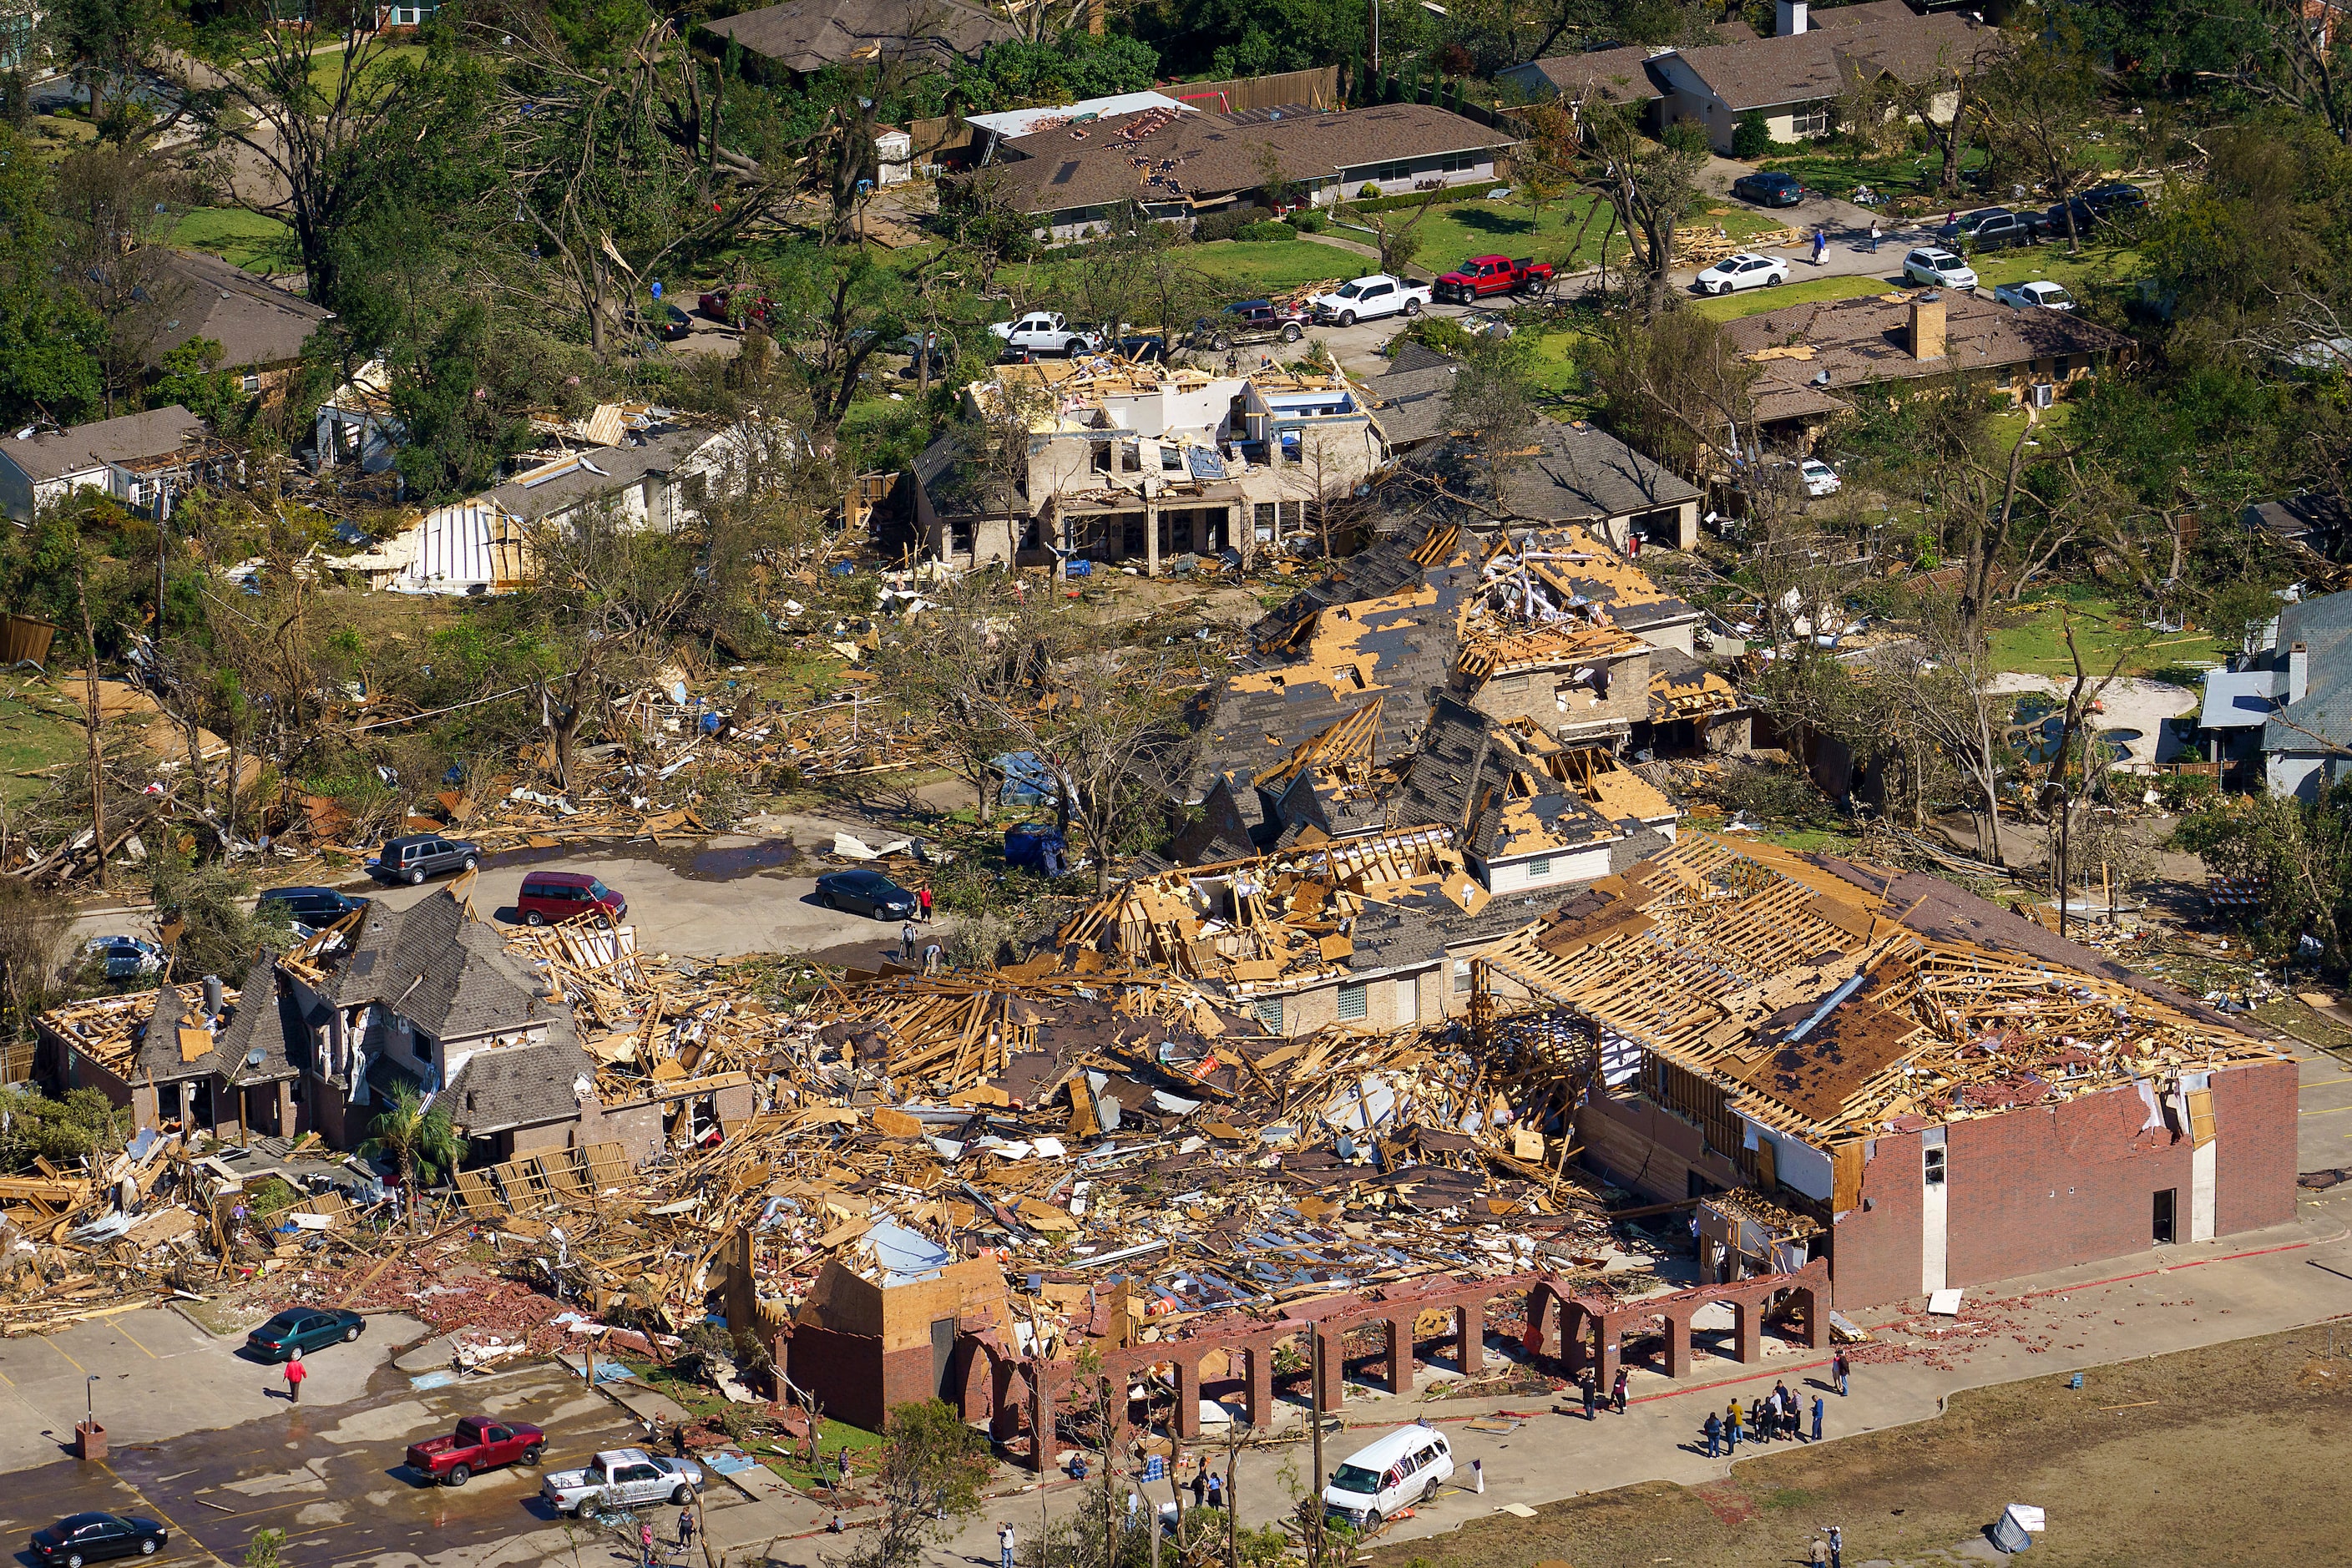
(1376,61)
(97,751)
(1315,1421)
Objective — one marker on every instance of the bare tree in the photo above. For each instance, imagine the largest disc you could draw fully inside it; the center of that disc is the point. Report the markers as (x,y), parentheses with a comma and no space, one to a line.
(1646,185)
(1106,723)
(978,652)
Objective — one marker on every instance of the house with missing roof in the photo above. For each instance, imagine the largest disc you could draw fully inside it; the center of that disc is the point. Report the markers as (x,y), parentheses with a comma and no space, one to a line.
(2284,722)
(1880,1069)
(196,1056)
(1144,464)
(1174,164)
(143,460)
(1794,78)
(1808,359)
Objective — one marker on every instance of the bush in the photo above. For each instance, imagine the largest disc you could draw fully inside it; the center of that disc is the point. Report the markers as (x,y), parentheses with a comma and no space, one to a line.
(2181,793)
(1688,136)
(1226,224)
(1308,222)
(1751,137)
(1369,193)
(1265,231)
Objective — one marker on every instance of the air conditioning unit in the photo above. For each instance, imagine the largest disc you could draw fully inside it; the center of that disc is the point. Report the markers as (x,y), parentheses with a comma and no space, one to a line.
(2041,394)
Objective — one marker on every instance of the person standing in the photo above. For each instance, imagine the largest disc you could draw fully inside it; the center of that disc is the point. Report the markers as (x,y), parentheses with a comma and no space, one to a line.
(1216,1490)
(1820,244)
(1591,1398)
(1816,1417)
(923,900)
(1837,1370)
(1134,1510)
(295,1373)
(646,1543)
(1731,1426)
(1714,1430)
(1837,1547)
(907,942)
(1819,1553)
(1874,237)
(1617,1392)
(1201,1484)
(1005,1544)
(686,1530)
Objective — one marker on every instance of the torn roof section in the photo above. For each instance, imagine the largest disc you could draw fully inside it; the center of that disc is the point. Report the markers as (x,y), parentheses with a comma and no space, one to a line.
(1834,1001)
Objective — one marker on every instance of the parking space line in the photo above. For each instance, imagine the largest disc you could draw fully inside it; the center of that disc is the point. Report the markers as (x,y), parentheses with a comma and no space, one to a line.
(124,1330)
(63,1351)
(177,1528)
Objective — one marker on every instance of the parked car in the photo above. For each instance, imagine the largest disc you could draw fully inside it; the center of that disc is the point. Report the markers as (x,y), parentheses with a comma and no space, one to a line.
(1483,275)
(1406,1467)
(1249,322)
(1370,298)
(1819,478)
(863,892)
(305,1329)
(93,1536)
(734,307)
(1991,228)
(622,1478)
(1143,348)
(1743,271)
(558,895)
(1937,267)
(480,1444)
(2115,199)
(125,957)
(917,346)
(414,857)
(1770,190)
(315,908)
(1045,332)
(2039,294)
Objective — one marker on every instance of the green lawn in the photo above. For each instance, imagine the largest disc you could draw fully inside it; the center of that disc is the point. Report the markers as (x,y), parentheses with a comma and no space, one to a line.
(1455,231)
(2034,641)
(1266,266)
(327,66)
(1904,175)
(32,738)
(249,240)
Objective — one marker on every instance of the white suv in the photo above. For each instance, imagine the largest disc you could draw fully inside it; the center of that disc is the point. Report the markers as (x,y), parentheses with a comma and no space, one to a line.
(1939,267)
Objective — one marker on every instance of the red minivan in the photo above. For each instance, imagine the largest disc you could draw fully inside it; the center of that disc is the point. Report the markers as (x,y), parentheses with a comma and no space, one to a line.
(560,895)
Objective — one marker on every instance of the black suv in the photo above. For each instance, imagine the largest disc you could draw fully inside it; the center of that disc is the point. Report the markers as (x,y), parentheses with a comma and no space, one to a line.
(417,856)
(1770,190)
(2114,197)
(1991,228)
(317,908)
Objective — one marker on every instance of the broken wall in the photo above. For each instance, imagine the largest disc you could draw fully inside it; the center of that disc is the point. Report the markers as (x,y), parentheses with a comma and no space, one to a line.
(1559,704)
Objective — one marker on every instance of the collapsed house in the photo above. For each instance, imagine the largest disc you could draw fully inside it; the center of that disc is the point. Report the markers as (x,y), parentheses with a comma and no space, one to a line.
(1143,463)
(1934,1090)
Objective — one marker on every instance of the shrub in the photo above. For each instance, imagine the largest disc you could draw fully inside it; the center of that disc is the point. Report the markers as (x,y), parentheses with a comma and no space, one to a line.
(1309,222)
(1371,193)
(2181,793)
(1686,136)
(1265,231)
(1226,224)
(1751,137)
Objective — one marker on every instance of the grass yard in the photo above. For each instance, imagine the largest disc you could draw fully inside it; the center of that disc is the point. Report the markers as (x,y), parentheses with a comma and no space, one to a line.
(32,737)
(2222,1455)
(2034,638)
(327,68)
(1455,231)
(1836,173)
(1268,266)
(246,239)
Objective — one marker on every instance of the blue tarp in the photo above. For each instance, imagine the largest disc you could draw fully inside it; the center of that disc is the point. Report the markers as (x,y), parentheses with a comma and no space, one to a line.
(906,1255)
(1027,779)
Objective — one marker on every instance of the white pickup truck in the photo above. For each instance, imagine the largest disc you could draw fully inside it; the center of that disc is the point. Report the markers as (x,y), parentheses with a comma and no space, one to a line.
(1045,332)
(1367,299)
(622,1478)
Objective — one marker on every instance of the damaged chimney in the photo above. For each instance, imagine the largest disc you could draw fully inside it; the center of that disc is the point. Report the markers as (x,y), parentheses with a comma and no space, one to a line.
(1927,327)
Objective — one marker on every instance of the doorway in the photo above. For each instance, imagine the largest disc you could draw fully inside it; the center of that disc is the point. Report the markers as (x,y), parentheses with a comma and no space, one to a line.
(2167,1203)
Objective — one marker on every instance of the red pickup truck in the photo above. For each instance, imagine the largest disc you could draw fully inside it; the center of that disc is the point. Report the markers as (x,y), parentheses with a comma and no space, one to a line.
(480,1444)
(1483,275)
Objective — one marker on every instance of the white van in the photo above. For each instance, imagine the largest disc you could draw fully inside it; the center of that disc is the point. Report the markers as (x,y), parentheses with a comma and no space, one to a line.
(1407,1466)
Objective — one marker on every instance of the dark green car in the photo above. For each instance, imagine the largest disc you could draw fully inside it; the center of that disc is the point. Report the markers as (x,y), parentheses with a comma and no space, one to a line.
(305,1329)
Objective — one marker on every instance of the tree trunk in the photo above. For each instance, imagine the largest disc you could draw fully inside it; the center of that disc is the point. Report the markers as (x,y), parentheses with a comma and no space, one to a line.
(408,1186)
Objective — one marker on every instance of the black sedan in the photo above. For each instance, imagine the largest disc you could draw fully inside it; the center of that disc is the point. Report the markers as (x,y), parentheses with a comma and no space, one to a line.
(865,893)
(317,908)
(91,1537)
(1770,190)
(305,1329)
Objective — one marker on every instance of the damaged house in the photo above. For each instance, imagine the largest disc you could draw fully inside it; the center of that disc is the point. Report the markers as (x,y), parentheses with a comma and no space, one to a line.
(1142,463)
(1925,1089)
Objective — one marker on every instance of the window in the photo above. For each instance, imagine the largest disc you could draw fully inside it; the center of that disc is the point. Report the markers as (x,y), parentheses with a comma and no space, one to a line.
(1269,1014)
(1935,1166)
(1462,977)
(1811,121)
(250,384)
(1408,1005)
(1539,866)
(2007,378)
(1351,1004)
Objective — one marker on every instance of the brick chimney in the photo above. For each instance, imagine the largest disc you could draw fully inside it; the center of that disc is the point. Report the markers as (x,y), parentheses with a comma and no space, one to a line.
(1925,333)
(1789,18)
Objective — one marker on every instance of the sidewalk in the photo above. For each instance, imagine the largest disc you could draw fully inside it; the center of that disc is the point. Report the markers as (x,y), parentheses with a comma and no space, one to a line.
(2167,1299)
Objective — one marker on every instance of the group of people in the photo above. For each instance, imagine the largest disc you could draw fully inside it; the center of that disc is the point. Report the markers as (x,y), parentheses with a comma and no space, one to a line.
(647,1544)
(1592,1397)
(1779,1414)
(909,936)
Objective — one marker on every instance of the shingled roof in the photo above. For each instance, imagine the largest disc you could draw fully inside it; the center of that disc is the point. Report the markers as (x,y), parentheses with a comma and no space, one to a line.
(1210,157)
(519,1086)
(1884,38)
(809,35)
(442,969)
(254,321)
(1577,472)
(1615,75)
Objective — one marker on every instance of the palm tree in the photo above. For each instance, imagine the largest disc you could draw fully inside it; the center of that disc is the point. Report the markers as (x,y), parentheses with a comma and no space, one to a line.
(420,1141)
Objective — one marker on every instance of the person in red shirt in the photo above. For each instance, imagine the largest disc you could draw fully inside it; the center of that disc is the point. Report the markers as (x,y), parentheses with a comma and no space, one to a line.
(295,1373)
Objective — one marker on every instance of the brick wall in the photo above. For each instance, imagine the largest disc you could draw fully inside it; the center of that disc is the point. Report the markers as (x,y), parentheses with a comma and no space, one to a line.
(853,1378)
(2047,1186)
(1532,694)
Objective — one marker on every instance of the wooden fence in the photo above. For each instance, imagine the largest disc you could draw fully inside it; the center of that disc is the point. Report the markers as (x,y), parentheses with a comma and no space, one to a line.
(1318,88)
